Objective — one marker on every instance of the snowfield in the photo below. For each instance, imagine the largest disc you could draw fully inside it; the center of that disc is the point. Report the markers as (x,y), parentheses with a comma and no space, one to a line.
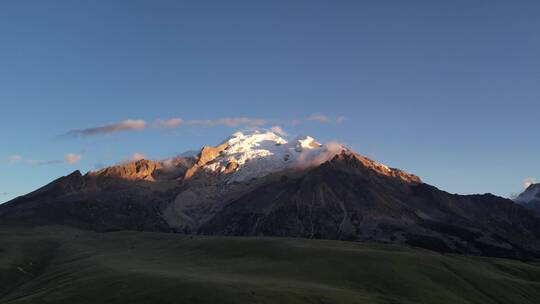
(260,153)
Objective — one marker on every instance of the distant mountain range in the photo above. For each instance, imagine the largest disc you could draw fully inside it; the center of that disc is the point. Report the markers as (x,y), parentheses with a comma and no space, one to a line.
(260,184)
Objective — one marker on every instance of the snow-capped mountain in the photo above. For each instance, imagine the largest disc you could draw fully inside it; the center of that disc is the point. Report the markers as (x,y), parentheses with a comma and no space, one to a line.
(255,154)
(245,156)
(262,184)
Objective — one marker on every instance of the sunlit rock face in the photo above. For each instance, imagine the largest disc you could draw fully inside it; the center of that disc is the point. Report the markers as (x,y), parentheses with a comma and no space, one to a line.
(137,170)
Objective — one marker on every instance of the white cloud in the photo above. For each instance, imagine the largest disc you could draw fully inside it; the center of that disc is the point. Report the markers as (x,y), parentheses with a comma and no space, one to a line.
(528,181)
(307,159)
(126,125)
(72,158)
(136,156)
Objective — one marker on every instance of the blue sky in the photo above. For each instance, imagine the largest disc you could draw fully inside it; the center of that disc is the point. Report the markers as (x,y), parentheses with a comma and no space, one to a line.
(448,90)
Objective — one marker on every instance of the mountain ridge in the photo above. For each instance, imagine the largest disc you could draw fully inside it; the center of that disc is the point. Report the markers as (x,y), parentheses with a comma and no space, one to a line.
(259,184)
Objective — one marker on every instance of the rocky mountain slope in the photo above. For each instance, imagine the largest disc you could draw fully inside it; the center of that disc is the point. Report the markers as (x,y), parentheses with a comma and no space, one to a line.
(260,184)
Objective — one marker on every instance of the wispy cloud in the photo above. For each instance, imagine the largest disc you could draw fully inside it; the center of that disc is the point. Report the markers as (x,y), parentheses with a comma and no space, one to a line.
(341,119)
(35,162)
(528,181)
(318,118)
(139,124)
(243,121)
(228,121)
(308,159)
(168,123)
(136,156)
(126,125)
(279,131)
(15,158)
(72,158)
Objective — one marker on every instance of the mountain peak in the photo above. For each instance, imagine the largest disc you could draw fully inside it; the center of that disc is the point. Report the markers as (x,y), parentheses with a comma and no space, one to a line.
(351,157)
(247,155)
(530,195)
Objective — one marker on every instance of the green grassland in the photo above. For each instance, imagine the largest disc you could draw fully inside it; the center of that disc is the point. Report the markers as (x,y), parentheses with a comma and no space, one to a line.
(58,265)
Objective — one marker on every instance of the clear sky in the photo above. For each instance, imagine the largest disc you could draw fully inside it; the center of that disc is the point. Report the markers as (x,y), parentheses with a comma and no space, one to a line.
(448,90)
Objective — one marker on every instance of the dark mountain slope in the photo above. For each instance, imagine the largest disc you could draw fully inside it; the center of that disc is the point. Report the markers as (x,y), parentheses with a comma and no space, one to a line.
(111,199)
(344,199)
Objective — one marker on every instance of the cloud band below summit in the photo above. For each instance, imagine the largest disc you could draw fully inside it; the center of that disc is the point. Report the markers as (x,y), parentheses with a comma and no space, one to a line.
(126,125)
